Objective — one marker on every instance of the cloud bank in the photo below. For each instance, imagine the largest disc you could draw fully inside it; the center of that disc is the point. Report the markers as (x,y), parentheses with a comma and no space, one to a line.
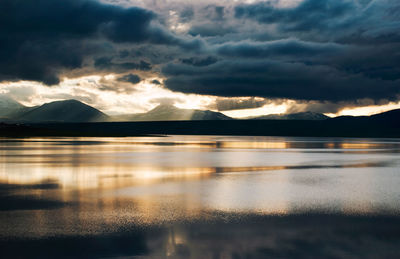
(327,54)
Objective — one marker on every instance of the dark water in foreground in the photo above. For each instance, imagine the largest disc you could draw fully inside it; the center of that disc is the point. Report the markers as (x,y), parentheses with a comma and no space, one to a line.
(200,197)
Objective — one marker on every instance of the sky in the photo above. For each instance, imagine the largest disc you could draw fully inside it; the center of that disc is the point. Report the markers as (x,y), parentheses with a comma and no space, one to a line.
(242,58)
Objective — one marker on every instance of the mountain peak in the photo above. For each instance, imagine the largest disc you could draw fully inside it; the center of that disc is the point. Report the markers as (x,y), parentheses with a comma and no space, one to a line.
(164,107)
(64,111)
(67,102)
(169,112)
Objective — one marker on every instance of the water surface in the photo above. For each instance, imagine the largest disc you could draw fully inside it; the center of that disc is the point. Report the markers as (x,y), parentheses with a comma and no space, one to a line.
(200,196)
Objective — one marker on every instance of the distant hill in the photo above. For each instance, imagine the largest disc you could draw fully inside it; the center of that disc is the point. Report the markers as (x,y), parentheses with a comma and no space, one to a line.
(292,116)
(172,113)
(389,118)
(393,116)
(10,108)
(63,111)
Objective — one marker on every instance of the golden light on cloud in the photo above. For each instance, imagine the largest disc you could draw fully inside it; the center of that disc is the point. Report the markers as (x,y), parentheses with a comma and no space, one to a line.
(368,110)
(105,93)
(114,97)
(266,109)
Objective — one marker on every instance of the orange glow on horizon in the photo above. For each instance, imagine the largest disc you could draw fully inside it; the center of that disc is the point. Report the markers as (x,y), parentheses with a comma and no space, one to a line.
(367,110)
(145,96)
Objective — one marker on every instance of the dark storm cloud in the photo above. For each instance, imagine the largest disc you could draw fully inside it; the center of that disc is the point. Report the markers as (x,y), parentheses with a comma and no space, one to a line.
(381,62)
(325,107)
(364,22)
(331,107)
(72,19)
(227,104)
(41,39)
(125,84)
(106,63)
(199,62)
(287,47)
(210,30)
(308,15)
(318,107)
(215,12)
(212,21)
(376,61)
(130,78)
(219,12)
(275,79)
(186,14)
(332,53)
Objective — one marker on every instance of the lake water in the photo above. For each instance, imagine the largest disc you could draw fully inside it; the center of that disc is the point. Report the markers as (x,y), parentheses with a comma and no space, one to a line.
(200,197)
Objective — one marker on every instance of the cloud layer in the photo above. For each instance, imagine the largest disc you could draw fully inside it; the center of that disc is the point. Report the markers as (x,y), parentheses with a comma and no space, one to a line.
(326,55)
(41,40)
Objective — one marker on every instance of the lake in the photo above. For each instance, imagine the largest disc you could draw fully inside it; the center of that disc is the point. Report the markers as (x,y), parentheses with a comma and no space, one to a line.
(200,197)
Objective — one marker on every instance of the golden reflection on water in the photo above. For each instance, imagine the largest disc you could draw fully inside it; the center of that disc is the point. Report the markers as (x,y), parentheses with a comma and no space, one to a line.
(114,181)
(254,145)
(90,162)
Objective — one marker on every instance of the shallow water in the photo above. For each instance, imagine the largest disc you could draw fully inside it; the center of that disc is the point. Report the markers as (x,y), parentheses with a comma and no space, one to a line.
(199,196)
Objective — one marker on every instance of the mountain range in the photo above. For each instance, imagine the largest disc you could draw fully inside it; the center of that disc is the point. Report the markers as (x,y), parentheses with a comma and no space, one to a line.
(75,111)
(44,120)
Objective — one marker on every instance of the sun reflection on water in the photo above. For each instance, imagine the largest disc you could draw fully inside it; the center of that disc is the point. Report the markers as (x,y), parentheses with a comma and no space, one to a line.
(89,185)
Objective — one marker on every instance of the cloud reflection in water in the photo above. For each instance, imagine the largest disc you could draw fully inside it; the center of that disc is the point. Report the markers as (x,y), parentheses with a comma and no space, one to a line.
(104,187)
